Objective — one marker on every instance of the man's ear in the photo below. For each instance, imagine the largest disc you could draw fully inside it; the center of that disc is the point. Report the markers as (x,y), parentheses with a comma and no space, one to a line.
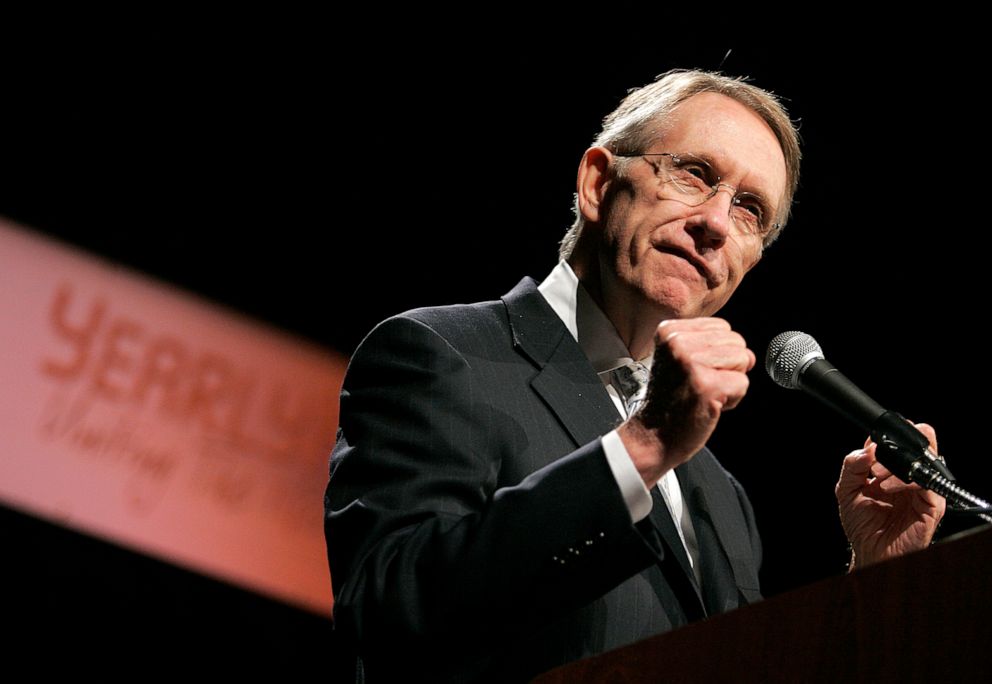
(592,182)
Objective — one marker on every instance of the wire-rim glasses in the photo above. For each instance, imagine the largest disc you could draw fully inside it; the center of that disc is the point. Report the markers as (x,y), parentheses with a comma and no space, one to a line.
(696,182)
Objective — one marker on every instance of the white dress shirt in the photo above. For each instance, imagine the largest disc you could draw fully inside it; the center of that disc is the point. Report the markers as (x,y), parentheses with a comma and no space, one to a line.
(605,350)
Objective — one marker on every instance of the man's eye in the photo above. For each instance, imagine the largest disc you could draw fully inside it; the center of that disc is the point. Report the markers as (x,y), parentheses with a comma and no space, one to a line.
(750,205)
(749,216)
(697,170)
(752,209)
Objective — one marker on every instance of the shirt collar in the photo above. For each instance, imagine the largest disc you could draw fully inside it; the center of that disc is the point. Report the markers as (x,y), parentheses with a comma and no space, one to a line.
(587,323)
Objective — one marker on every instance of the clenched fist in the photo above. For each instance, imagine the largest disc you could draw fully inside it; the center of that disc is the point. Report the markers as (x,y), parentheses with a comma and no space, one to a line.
(700,370)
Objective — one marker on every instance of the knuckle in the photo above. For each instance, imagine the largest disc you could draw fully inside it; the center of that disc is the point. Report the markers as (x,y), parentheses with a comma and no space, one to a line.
(699,386)
(677,344)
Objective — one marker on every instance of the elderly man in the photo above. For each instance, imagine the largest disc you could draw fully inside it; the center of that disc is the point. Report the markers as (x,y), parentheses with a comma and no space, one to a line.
(525,482)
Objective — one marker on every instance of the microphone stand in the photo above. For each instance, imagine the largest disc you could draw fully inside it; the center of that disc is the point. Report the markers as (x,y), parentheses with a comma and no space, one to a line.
(922,472)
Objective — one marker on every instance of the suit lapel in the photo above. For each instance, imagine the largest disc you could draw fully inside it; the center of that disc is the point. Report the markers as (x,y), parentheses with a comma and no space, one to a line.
(565,379)
(724,547)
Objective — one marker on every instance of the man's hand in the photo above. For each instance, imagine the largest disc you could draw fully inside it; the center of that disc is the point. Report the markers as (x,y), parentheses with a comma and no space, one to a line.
(700,370)
(883,517)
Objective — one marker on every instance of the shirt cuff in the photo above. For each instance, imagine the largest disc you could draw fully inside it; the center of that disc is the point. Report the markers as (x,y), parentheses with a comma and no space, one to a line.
(635,492)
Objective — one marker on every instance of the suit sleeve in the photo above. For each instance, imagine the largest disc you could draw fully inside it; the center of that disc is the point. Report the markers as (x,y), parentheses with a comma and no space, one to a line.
(425,550)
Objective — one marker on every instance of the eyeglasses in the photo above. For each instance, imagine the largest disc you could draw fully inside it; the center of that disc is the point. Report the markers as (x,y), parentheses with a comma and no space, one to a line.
(693,181)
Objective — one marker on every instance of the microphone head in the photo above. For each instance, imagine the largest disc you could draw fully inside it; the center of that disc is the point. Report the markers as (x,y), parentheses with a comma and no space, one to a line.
(788,355)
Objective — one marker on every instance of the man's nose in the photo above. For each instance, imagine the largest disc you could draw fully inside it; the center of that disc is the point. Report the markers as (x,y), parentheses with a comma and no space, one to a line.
(711,223)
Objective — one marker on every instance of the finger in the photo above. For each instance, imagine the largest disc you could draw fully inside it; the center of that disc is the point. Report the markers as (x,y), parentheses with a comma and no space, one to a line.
(724,357)
(703,335)
(689,342)
(929,433)
(713,338)
(893,484)
(854,472)
(935,502)
(879,471)
(872,449)
(683,325)
(729,388)
(701,323)
(858,463)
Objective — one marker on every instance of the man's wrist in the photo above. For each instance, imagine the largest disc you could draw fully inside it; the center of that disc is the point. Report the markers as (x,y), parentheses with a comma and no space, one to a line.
(635,493)
(646,450)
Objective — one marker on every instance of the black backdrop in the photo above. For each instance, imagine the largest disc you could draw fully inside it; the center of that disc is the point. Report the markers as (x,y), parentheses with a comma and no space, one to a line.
(321,185)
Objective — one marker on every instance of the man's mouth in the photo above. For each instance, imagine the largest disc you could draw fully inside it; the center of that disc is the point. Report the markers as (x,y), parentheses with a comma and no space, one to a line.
(701,266)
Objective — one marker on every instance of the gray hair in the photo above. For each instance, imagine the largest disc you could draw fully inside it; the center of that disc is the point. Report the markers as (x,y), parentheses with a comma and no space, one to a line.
(641,117)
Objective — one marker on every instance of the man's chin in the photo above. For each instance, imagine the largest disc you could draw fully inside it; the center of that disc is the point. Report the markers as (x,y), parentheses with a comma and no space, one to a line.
(677,302)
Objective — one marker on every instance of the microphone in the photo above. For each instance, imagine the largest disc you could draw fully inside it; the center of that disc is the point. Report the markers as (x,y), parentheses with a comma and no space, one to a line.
(794,360)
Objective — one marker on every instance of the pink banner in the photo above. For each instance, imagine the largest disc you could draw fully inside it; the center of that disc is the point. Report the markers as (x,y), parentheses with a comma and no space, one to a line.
(139,413)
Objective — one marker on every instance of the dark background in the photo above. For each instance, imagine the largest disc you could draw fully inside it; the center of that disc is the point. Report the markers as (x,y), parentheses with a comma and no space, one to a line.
(321,186)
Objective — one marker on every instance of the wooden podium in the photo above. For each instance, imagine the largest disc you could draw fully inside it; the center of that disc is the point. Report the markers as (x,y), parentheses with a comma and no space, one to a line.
(922,617)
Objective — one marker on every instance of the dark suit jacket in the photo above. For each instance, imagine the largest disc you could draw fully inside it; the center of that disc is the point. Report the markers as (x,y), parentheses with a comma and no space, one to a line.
(475,531)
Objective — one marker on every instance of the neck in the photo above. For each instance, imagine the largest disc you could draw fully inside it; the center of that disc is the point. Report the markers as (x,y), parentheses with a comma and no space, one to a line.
(635,324)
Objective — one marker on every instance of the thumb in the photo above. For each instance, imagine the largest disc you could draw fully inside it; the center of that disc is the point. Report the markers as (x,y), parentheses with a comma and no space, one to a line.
(855,471)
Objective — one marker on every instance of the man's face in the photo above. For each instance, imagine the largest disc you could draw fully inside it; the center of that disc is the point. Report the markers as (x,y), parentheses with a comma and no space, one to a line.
(685,261)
